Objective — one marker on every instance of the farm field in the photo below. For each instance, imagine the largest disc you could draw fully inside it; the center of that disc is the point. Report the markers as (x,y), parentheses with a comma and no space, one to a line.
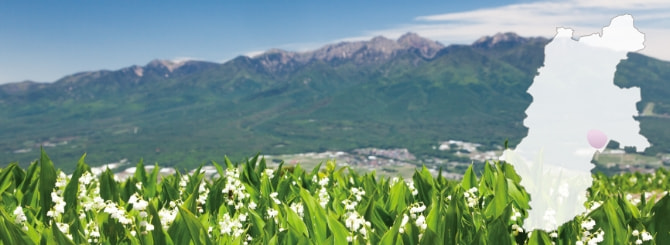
(252,203)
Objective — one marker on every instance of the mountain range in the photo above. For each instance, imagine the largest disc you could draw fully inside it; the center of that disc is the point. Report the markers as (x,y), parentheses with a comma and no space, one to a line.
(406,93)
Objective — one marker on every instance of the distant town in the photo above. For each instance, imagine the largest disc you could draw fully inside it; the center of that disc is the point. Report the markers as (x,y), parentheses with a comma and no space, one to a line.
(394,162)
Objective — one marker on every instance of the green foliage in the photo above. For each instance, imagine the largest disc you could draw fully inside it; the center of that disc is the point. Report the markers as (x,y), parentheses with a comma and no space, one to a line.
(47,182)
(249,203)
(463,93)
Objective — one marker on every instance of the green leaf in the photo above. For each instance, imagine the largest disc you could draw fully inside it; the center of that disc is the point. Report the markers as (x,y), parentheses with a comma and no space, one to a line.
(315,170)
(330,166)
(539,237)
(257,229)
(191,203)
(392,236)
(521,198)
(11,233)
(338,230)
(219,169)
(60,238)
(158,233)
(47,183)
(510,172)
(187,228)
(265,187)
(469,179)
(659,221)
(435,222)
(315,217)
(498,230)
(629,210)
(293,237)
(215,199)
(453,218)
(109,189)
(610,218)
(150,187)
(140,172)
(500,198)
(398,196)
(9,177)
(372,214)
(76,230)
(30,178)
(169,192)
(70,194)
(295,222)
(487,179)
(228,163)
(253,161)
(423,182)
(262,165)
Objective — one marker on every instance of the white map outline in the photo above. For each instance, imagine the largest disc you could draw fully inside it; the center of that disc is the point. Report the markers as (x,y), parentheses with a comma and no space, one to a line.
(573,94)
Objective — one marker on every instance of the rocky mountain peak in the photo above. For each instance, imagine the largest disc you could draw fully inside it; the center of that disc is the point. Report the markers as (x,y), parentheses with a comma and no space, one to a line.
(280,54)
(412,39)
(383,45)
(276,59)
(427,47)
(506,39)
(376,49)
(381,40)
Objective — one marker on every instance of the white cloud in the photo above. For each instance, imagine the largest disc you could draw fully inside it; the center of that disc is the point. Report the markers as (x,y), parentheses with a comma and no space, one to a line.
(252,54)
(292,47)
(178,60)
(542,18)
(652,17)
(302,46)
(623,4)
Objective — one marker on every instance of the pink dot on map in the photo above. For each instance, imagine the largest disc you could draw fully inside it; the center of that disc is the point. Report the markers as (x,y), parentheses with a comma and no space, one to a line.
(597,139)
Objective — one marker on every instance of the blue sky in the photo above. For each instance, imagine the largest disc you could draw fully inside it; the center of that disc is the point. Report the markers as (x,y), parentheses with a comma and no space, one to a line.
(46,40)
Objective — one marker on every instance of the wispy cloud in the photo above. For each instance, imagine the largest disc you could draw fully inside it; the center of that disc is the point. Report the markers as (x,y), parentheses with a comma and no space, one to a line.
(293,47)
(529,19)
(254,53)
(541,18)
(183,59)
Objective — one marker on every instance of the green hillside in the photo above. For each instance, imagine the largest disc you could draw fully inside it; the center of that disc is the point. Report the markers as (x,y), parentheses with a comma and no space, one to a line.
(282,102)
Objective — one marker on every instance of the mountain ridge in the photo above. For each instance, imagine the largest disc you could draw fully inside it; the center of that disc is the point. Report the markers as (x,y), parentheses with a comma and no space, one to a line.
(428,49)
(328,52)
(402,93)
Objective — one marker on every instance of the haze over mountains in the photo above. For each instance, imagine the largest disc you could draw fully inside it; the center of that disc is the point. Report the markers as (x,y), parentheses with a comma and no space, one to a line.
(406,93)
